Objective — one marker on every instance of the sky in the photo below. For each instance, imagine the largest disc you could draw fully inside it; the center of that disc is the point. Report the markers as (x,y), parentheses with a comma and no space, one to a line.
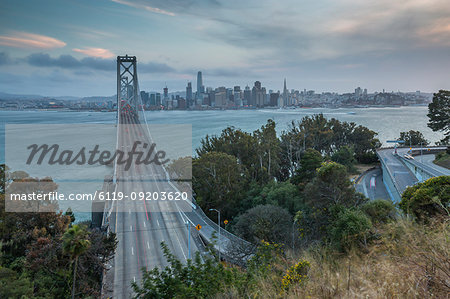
(68,48)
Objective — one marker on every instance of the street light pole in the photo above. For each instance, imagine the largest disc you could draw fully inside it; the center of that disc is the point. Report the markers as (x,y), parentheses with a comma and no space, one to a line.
(189,239)
(218,222)
(421,152)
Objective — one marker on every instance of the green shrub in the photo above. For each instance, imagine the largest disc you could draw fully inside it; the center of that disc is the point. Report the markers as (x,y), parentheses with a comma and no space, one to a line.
(349,229)
(195,279)
(379,210)
(429,199)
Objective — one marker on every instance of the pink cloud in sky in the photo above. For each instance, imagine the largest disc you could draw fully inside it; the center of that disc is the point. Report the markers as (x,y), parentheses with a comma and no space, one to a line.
(146,7)
(29,40)
(95,52)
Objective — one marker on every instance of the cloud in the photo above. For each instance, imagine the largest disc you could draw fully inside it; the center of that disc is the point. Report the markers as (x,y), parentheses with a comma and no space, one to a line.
(154,67)
(5,59)
(438,32)
(44,60)
(145,7)
(95,52)
(287,32)
(94,63)
(30,41)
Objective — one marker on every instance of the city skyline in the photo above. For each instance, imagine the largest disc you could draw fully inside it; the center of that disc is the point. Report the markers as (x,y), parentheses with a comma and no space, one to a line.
(58,48)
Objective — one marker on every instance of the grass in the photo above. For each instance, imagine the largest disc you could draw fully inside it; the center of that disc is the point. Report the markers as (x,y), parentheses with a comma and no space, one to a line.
(442,159)
(407,260)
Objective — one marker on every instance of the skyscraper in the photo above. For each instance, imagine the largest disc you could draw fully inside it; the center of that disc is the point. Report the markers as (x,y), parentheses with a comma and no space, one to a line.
(188,95)
(247,96)
(285,94)
(258,95)
(166,96)
(200,87)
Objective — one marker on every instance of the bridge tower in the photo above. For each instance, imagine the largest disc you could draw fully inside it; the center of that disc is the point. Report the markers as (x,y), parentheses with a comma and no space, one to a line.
(127,87)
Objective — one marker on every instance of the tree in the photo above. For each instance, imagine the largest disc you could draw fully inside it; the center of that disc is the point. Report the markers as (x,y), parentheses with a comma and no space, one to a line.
(181,169)
(345,156)
(327,137)
(310,161)
(331,186)
(364,144)
(429,199)
(13,286)
(413,138)
(325,197)
(75,243)
(268,152)
(31,245)
(283,194)
(218,181)
(259,152)
(439,114)
(264,223)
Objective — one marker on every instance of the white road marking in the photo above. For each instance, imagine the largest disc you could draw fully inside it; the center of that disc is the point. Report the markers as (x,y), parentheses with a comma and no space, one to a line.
(181,246)
(129,211)
(157,222)
(132,251)
(131,227)
(148,245)
(144,224)
(134,278)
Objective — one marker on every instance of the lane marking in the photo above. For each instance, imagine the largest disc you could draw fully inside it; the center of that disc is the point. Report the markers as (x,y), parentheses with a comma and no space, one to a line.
(134,278)
(148,245)
(132,251)
(131,227)
(157,222)
(181,246)
(144,224)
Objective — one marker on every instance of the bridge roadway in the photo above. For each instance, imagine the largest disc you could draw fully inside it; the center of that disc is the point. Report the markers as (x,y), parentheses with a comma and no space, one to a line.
(142,225)
(425,161)
(402,176)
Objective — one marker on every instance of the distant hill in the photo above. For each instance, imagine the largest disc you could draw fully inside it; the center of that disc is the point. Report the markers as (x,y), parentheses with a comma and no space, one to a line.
(10,96)
(99,98)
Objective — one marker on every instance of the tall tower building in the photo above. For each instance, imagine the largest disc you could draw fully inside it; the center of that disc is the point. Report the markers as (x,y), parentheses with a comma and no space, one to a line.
(258,95)
(285,94)
(165,96)
(247,95)
(200,87)
(188,95)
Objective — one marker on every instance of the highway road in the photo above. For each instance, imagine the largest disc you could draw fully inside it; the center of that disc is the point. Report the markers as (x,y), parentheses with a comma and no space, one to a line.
(428,160)
(372,186)
(425,162)
(401,174)
(142,225)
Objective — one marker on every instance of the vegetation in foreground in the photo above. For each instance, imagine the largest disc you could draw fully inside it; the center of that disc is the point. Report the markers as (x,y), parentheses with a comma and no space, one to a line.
(401,256)
(47,255)
(294,192)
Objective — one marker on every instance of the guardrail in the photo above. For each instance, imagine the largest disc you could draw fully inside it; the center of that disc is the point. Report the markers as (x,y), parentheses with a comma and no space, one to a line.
(397,196)
(214,225)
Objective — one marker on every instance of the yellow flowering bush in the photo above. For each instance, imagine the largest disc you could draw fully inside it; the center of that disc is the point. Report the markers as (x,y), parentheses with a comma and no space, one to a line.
(295,274)
(267,255)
